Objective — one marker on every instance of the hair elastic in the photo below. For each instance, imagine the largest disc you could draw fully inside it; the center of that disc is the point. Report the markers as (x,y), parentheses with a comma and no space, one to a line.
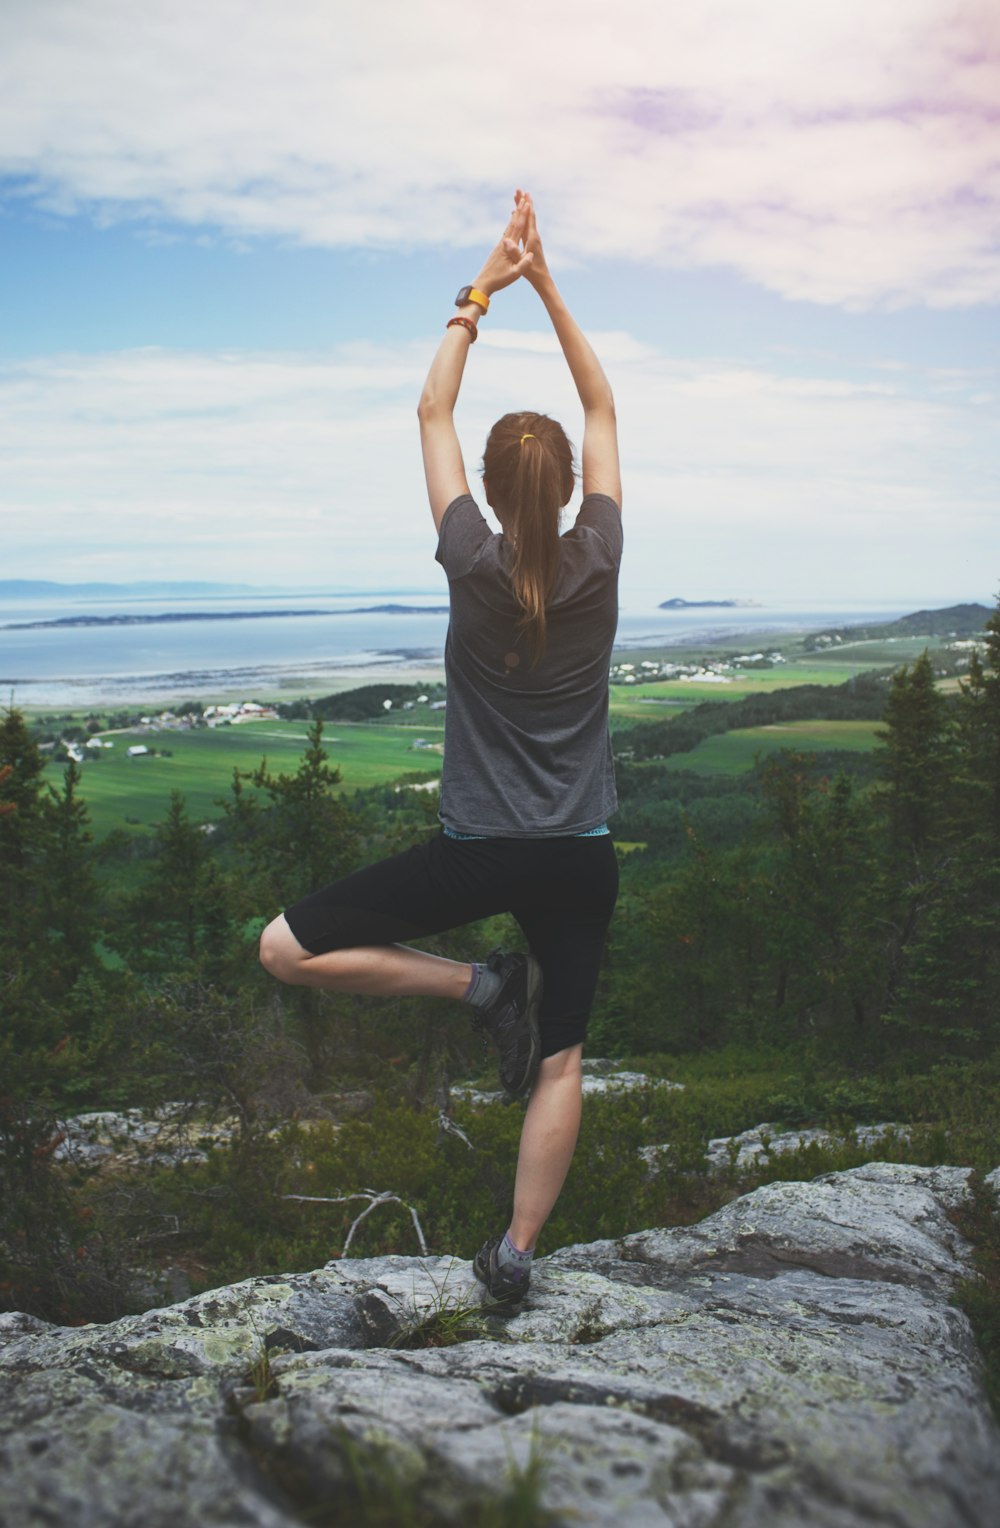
(528,437)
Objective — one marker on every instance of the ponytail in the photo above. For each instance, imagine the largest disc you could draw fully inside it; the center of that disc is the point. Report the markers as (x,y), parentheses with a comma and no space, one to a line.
(528,464)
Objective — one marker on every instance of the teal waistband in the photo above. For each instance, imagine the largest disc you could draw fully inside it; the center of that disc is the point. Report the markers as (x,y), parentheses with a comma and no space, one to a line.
(470,838)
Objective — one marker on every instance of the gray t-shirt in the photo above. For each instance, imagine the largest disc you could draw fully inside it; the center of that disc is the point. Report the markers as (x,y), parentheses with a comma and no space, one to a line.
(526,750)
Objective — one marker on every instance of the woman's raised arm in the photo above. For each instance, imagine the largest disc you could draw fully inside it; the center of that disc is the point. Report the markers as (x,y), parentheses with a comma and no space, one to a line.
(444,468)
(599,455)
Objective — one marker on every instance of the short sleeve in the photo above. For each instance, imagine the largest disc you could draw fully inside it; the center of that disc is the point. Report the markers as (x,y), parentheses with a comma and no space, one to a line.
(601,516)
(462,537)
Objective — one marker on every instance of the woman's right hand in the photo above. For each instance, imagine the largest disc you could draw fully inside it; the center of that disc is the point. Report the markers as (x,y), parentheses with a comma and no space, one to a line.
(538,271)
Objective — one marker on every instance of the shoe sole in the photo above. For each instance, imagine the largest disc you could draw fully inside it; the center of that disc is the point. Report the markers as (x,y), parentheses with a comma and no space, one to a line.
(532,1004)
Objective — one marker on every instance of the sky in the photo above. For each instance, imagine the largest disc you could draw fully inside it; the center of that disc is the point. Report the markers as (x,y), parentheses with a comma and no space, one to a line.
(231,233)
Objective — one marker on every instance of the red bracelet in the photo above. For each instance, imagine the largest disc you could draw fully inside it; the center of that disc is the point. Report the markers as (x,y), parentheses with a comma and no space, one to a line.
(466,323)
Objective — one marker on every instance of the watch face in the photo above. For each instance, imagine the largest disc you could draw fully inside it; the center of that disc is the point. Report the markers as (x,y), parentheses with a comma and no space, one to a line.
(463,297)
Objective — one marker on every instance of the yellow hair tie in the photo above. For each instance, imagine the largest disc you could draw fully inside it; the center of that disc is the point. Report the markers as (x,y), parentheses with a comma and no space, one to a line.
(528,437)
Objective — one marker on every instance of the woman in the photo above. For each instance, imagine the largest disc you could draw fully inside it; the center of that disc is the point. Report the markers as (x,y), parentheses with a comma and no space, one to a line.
(528,780)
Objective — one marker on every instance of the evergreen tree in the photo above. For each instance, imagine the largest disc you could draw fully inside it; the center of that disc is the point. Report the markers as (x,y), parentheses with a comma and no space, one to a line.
(20,828)
(822,924)
(48,914)
(979,737)
(177,924)
(298,834)
(916,760)
(945,997)
(69,892)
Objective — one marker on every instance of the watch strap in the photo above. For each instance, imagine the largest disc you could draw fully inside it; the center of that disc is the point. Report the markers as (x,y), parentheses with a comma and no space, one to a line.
(472,294)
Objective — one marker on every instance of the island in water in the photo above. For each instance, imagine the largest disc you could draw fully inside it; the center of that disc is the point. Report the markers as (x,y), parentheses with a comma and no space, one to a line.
(218,615)
(679,604)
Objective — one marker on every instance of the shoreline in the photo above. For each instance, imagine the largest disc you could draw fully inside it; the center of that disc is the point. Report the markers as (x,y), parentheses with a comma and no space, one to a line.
(103,693)
(282,682)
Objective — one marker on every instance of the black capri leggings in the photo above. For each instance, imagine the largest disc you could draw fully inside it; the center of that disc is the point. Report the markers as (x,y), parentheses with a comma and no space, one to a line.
(562,892)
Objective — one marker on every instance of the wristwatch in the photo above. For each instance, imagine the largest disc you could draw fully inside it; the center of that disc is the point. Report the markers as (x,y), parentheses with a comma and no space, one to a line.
(472,294)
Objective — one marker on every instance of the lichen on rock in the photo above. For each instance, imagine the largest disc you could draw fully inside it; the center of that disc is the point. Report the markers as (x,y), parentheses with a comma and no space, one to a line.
(794,1358)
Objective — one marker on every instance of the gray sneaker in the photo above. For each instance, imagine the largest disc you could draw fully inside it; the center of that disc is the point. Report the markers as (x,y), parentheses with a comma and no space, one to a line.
(502,1284)
(511,1020)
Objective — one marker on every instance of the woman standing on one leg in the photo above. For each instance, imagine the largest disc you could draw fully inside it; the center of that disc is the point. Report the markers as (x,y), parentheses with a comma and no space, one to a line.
(528,781)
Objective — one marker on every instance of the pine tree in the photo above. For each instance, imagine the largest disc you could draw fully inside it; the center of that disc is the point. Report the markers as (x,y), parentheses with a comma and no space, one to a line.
(69,893)
(916,760)
(948,959)
(177,924)
(301,836)
(979,736)
(823,934)
(20,827)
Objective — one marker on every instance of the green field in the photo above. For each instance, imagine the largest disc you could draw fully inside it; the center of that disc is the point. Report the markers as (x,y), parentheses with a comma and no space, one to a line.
(123,792)
(133,793)
(733,752)
(653,700)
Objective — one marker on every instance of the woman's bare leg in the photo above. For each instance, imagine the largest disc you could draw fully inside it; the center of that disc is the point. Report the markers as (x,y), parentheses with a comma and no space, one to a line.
(552,1120)
(383,970)
(548,1139)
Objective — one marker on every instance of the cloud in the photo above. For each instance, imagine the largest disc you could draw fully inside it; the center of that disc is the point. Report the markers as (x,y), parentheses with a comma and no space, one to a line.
(305,469)
(836,151)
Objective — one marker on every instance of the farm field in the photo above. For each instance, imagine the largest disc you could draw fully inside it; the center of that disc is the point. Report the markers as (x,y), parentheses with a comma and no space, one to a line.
(654,700)
(123,792)
(733,752)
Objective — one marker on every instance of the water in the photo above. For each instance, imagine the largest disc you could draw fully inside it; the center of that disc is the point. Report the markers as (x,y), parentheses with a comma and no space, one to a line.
(301,644)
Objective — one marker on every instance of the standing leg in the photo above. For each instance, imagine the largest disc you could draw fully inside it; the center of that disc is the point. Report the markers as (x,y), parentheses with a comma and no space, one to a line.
(548,1140)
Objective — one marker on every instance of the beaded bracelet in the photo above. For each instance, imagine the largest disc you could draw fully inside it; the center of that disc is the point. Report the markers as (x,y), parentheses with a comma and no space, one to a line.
(466,323)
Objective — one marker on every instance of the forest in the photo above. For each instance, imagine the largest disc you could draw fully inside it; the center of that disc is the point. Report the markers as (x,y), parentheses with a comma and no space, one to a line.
(810,942)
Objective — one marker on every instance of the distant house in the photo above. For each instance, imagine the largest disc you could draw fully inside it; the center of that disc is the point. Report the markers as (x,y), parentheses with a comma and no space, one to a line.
(136,750)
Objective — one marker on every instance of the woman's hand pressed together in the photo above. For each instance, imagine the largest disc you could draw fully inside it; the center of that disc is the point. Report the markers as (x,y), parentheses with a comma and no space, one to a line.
(538,272)
(507,260)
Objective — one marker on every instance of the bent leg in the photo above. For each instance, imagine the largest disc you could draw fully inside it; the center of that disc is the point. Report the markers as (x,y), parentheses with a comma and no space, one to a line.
(548,1140)
(390,970)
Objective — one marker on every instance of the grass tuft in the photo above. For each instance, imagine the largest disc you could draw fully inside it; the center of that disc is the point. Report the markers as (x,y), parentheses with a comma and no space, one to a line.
(979,1297)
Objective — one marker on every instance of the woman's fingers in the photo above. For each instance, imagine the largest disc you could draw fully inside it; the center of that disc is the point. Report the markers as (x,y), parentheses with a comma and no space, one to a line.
(518,224)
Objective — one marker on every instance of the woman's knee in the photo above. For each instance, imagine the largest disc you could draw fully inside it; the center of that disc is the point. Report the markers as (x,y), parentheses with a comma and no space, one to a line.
(565,1063)
(280,951)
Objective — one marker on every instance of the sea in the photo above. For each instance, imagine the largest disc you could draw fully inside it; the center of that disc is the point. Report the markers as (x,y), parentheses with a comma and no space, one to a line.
(67,651)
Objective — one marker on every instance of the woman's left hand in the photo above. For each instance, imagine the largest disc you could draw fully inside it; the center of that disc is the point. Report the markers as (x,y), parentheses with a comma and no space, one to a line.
(504,264)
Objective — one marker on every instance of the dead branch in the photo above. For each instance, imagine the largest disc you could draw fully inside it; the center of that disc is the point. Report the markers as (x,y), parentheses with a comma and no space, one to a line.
(375,1199)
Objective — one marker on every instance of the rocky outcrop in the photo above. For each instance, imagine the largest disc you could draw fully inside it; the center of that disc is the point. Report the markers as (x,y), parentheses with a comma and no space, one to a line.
(601,1079)
(793,1359)
(752,1148)
(159,1137)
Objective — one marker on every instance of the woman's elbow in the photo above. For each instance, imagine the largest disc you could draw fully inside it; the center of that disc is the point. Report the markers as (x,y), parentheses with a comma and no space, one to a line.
(429,407)
(602,407)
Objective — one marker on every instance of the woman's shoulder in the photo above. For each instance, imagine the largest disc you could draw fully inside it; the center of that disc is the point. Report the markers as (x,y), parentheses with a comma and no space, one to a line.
(463,536)
(599,517)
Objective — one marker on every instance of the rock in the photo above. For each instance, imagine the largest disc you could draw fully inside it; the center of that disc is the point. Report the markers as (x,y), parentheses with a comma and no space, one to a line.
(763,1141)
(793,1359)
(163,1136)
(600,1078)
(750,1147)
(885,1221)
